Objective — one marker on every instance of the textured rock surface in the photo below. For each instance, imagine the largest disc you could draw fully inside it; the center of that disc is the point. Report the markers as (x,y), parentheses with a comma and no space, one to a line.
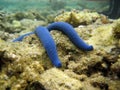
(25,65)
(76,18)
(54,79)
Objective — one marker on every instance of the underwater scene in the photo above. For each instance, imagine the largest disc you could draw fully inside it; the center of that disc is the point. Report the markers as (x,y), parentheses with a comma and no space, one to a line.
(59,44)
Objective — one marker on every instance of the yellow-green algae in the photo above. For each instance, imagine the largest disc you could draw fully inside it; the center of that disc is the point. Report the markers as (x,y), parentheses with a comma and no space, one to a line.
(25,63)
(76,18)
(54,79)
(17,65)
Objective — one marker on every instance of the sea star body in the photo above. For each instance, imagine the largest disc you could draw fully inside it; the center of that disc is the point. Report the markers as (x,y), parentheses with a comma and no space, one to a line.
(49,44)
(20,38)
(68,30)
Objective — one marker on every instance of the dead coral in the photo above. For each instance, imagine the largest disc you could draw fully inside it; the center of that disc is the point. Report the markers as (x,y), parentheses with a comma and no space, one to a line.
(18,63)
(77,18)
(25,65)
(54,79)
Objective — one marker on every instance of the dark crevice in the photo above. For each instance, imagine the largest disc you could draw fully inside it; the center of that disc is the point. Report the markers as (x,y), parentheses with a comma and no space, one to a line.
(100,68)
(8,88)
(107,70)
(93,69)
(102,86)
(35,86)
(1,60)
(118,75)
(1,63)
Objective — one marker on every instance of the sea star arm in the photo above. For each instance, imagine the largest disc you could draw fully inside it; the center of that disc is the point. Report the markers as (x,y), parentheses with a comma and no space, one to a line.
(20,38)
(71,33)
(49,44)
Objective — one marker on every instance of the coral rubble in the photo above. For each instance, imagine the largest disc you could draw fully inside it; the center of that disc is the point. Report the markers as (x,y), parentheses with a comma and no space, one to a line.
(26,66)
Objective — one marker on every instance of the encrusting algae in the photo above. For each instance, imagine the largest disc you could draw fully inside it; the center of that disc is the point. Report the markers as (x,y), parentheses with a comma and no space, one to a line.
(77,18)
(26,66)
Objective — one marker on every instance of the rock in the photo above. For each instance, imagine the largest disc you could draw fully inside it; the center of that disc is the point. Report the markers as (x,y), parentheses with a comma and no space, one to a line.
(17,68)
(54,79)
(77,18)
(16,24)
(25,65)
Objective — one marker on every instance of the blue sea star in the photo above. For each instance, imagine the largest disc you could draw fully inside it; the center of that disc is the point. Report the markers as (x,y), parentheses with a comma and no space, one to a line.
(48,42)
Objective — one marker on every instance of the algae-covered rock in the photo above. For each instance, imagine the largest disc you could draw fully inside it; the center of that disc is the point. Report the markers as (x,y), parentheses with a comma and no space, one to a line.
(55,79)
(76,17)
(116,67)
(104,82)
(117,29)
(25,65)
(16,24)
(105,36)
(19,66)
(1,41)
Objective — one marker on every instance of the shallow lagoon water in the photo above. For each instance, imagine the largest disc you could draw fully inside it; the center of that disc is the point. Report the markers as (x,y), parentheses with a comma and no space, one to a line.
(22,5)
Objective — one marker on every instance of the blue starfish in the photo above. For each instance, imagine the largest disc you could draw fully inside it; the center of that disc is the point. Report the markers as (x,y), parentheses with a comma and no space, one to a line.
(49,44)
(20,38)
